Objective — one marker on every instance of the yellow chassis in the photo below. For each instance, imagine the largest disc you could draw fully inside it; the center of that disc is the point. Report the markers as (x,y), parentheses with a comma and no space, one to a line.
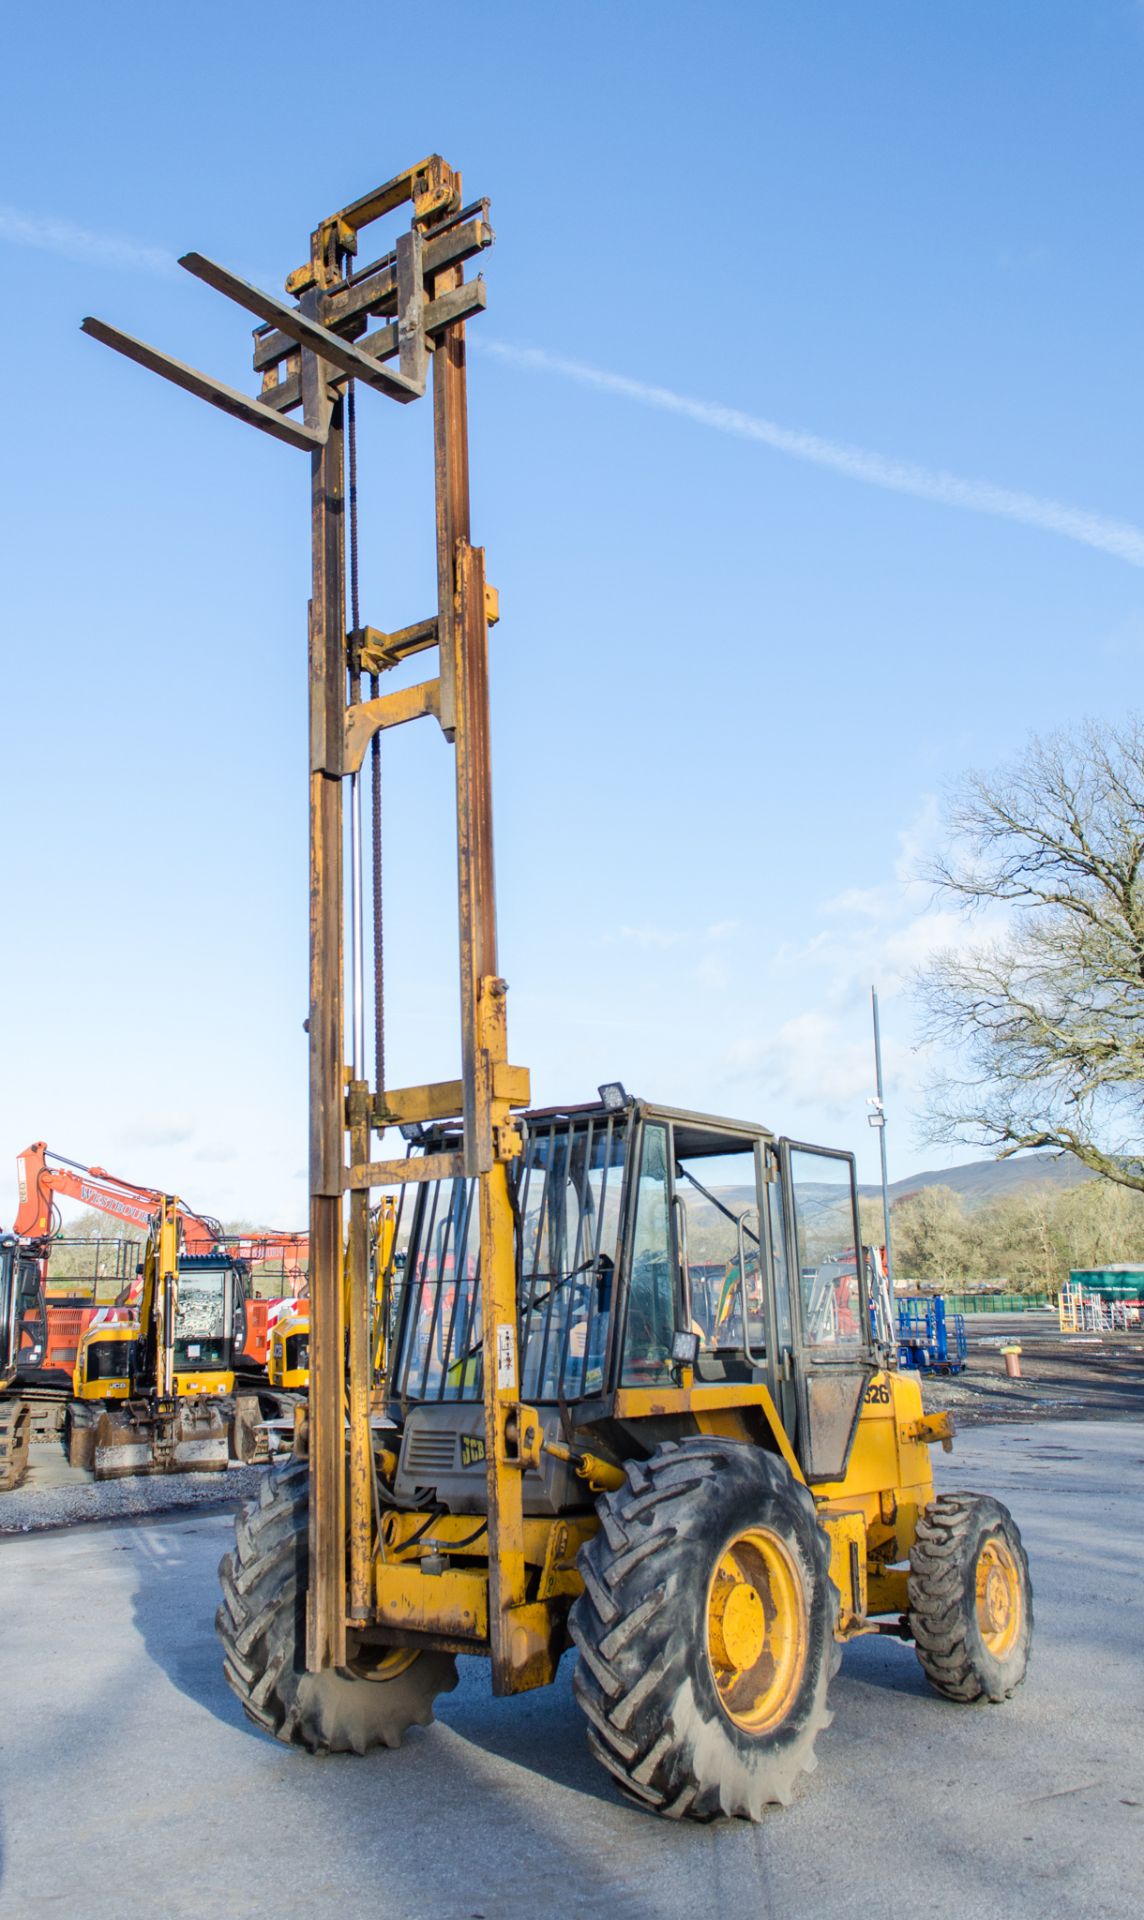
(430,1576)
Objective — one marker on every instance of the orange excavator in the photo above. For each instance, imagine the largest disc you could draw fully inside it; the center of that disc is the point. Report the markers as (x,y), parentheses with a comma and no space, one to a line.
(132,1352)
(37,1218)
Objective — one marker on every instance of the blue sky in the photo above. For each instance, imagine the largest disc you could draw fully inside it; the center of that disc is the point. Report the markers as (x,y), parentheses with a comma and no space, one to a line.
(730,681)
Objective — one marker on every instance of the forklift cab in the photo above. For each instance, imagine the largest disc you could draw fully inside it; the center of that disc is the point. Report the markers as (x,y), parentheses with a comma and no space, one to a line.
(659,1253)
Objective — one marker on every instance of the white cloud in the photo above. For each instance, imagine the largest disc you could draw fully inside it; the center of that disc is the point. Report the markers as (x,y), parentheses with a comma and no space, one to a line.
(659,938)
(1121,538)
(880,935)
(815,1059)
(73,242)
(818,1060)
(156,1130)
(216,1152)
(712,974)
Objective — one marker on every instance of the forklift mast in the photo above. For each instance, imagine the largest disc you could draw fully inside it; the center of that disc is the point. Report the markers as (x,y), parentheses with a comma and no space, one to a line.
(313,351)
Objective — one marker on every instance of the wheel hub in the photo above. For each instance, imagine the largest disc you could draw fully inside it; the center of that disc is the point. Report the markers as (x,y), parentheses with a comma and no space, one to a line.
(738,1624)
(998,1598)
(757,1629)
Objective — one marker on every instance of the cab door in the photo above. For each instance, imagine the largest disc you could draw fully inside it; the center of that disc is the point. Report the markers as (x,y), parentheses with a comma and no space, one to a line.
(834,1354)
(32,1315)
(698,1255)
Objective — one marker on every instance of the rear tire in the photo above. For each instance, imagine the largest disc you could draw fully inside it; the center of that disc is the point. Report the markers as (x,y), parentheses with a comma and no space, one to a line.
(261,1624)
(706,1631)
(971,1599)
(15,1439)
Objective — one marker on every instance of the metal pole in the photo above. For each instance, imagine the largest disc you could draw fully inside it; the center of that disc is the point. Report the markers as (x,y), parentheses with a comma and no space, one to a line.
(357,934)
(326,1597)
(882,1139)
(519,1654)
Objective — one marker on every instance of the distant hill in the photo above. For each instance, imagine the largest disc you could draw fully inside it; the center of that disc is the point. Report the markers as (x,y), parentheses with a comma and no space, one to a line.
(976,1183)
(983,1180)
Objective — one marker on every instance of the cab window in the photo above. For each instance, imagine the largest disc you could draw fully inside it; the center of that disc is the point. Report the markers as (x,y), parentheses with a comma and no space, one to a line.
(715,1196)
(826,1245)
(651,1295)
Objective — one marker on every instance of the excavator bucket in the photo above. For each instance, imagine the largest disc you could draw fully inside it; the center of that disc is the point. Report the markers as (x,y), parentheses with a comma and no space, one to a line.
(248,1437)
(122,1447)
(201,1442)
(193,1439)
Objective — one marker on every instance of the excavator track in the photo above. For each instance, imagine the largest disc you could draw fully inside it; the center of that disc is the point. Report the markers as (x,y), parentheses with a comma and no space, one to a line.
(15,1440)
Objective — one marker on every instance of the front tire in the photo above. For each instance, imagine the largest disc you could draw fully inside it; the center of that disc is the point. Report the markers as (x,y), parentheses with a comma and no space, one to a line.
(262,1626)
(971,1599)
(706,1631)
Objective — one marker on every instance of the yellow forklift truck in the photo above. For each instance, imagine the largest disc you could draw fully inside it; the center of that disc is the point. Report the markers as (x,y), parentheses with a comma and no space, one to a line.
(709,1505)
(568,1443)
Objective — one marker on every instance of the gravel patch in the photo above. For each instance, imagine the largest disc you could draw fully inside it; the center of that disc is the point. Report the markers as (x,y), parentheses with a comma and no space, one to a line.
(1063,1377)
(30,1509)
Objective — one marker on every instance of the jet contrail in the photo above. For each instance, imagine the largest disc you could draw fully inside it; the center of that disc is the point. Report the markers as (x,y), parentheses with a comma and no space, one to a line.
(81,243)
(1118,537)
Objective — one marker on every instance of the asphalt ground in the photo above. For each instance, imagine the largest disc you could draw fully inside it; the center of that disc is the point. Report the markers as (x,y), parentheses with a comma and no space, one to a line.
(132,1783)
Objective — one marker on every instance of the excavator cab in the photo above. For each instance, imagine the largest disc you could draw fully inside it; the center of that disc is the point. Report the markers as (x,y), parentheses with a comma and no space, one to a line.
(201,1318)
(288,1349)
(209,1331)
(23,1311)
(23,1342)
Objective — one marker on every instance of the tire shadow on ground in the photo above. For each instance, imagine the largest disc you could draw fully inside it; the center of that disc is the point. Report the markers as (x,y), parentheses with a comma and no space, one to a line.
(543,1730)
(516,1773)
(174,1605)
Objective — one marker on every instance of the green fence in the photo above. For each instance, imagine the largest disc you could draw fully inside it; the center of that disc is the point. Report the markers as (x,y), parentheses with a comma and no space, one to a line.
(992,1302)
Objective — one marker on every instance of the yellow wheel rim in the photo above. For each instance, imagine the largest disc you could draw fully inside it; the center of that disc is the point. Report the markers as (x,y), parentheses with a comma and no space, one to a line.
(757,1629)
(394,1661)
(999,1599)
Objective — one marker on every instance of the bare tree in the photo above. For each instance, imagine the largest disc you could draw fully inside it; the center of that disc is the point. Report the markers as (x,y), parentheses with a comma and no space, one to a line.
(932,1238)
(1046,1019)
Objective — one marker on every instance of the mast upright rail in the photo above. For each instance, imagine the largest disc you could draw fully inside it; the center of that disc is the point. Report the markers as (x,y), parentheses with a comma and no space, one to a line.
(384,326)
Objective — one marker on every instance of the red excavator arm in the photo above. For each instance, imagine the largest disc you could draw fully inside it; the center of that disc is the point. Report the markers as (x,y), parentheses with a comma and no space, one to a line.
(293,1249)
(39,1183)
